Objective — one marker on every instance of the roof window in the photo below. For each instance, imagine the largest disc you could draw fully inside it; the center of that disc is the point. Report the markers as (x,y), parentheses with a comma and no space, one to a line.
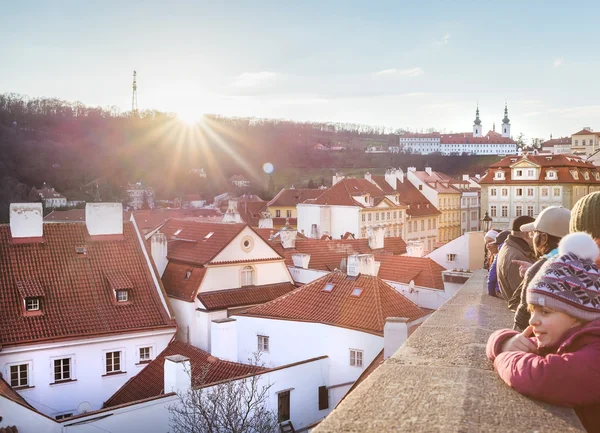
(122,295)
(208,236)
(328,287)
(356,292)
(188,274)
(177,232)
(32,304)
(81,250)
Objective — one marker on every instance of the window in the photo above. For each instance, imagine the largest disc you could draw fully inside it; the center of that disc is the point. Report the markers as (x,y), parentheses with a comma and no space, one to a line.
(414,226)
(428,224)
(519,192)
(422,225)
(504,192)
(474,215)
(556,192)
(519,211)
(499,175)
(123,295)
(263,343)
(370,217)
(356,358)
(356,292)
(583,142)
(63,416)
(382,216)
(247,276)
(551,174)
(113,362)
(544,192)
(19,375)
(530,173)
(530,211)
(519,173)
(388,215)
(434,223)
(323,398)
(504,211)
(145,354)
(62,369)
(450,257)
(396,214)
(328,287)
(32,304)
(493,192)
(288,213)
(364,218)
(409,226)
(529,192)
(278,213)
(420,187)
(376,216)
(188,274)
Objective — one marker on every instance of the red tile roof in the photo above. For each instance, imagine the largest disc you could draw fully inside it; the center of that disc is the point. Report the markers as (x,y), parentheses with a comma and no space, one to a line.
(193,244)
(366,312)
(7,391)
(250,211)
(176,284)
(441,182)
(291,196)
(342,193)
(586,132)
(555,141)
(402,269)
(410,195)
(206,369)
(9,429)
(562,164)
(244,296)
(491,137)
(77,300)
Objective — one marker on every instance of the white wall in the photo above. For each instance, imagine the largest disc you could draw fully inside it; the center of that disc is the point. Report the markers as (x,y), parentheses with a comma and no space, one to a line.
(468,249)
(235,251)
(309,214)
(305,276)
(200,335)
(344,219)
(26,420)
(229,276)
(88,368)
(422,296)
(293,341)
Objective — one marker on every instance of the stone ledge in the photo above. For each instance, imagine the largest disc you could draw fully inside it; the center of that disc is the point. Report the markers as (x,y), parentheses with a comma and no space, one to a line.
(441,380)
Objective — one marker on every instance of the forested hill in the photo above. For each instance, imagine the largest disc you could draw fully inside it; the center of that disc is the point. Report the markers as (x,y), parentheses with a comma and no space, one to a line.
(70,146)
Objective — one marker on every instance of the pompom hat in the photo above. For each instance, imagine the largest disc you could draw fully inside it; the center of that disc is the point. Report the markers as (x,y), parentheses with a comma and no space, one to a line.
(570,281)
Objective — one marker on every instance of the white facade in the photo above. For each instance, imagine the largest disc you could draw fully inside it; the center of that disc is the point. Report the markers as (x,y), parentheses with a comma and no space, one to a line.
(421,144)
(464,252)
(89,381)
(331,220)
(469,209)
(490,148)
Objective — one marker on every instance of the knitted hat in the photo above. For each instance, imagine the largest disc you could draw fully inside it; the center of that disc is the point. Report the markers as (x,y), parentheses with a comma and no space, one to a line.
(585,215)
(570,281)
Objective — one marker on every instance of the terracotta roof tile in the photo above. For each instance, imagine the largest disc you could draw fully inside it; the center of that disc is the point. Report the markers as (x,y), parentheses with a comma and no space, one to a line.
(586,132)
(423,271)
(366,312)
(410,195)
(342,193)
(150,381)
(250,211)
(441,182)
(178,284)
(291,197)
(9,429)
(467,138)
(250,295)
(77,300)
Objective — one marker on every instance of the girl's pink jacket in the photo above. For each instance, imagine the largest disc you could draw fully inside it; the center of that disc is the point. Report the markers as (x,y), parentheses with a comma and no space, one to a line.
(567,374)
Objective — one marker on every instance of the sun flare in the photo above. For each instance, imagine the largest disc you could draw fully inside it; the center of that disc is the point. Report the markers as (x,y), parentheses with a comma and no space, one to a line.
(191,115)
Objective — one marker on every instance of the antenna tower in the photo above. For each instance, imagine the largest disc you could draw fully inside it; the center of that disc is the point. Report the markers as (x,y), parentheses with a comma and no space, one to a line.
(134,102)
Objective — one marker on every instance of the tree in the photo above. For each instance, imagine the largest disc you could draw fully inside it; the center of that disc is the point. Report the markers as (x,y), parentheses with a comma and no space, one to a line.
(311,184)
(521,141)
(235,406)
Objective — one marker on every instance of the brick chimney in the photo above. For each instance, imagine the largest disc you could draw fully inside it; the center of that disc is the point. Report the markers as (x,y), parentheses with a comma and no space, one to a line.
(395,333)
(158,249)
(177,374)
(26,220)
(104,218)
(223,339)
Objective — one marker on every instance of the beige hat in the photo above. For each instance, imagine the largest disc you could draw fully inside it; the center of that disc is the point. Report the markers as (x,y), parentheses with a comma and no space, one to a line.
(553,220)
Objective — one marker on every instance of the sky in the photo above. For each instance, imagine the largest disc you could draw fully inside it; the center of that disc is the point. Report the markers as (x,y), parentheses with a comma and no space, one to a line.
(399,64)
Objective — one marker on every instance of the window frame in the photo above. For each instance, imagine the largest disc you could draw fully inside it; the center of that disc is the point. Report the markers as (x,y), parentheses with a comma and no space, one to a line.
(357,358)
(139,354)
(121,292)
(243,276)
(56,359)
(121,353)
(28,365)
(263,344)
(38,304)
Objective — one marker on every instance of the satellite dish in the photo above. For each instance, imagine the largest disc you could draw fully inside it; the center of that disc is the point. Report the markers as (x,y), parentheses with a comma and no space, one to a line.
(84,406)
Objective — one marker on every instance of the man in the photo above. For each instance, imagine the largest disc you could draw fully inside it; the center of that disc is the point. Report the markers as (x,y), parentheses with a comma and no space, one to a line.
(516,248)
(494,247)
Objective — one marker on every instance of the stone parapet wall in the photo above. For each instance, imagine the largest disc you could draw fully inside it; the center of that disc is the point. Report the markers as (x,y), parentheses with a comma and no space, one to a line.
(441,380)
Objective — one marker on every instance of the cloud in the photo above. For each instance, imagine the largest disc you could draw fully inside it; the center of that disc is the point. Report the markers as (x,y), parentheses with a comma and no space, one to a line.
(254,79)
(411,72)
(533,114)
(557,62)
(444,39)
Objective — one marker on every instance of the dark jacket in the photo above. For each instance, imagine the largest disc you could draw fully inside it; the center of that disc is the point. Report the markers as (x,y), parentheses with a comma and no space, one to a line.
(567,374)
(492,282)
(514,248)
(518,302)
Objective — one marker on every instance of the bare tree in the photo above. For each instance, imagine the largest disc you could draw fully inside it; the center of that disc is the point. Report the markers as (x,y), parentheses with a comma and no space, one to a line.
(235,406)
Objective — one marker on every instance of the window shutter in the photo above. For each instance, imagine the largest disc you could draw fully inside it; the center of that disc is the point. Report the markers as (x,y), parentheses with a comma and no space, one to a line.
(323,398)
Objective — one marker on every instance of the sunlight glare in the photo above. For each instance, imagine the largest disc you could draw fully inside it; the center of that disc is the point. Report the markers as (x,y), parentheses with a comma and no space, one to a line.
(191,115)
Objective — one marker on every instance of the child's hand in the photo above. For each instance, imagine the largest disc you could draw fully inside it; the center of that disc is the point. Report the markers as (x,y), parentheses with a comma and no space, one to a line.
(523,266)
(520,342)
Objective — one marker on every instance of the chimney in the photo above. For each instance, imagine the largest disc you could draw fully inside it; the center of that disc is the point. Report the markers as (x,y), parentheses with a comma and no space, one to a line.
(223,339)
(301,260)
(288,237)
(265,221)
(376,237)
(408,169)
(415,248)
(465,177)
(336,178)
(104,218)
(177,374)
(390,177)
(314,232)
(395,333)
(368,177)
(232,215)
(26,220)
(158,249)
(428,170)
(400,175)
(361,264)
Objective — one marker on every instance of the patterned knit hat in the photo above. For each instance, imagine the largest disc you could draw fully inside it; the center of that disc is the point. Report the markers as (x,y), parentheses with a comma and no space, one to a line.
(570,281)
(585,215)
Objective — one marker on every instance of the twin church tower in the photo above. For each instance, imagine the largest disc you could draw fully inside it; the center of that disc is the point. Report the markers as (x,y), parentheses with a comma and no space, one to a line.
(477,130)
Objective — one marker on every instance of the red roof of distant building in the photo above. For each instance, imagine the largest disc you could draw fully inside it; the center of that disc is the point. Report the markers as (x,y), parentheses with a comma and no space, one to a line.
(410,195)
(586,132)
(206,369)
(555,141)
(403,269)
(77,298)
(291,196)
(339,307)
(181,285)
(342,193)
(244,296)
(441,182)
(250,211)
(491,137)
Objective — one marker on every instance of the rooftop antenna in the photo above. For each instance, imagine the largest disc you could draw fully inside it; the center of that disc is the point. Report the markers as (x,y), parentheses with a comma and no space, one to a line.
(134,101)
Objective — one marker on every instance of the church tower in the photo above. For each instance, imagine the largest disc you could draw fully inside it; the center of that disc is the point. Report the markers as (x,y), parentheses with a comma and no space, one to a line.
(506,123)
(477,124)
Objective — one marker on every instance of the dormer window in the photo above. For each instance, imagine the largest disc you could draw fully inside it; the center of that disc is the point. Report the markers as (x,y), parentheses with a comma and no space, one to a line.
(499,175)
(586,175)
(188,274)
(32,304)
(122,295)
(575,174)
(550,174)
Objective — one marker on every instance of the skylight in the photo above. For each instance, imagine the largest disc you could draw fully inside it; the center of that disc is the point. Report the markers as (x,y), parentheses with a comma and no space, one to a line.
(328,287)
(357,291)
(177,232)
(209,235)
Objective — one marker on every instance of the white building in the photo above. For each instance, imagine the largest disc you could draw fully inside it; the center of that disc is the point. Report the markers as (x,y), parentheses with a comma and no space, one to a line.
(82,310)
(339,315)
(50,197)
(474,143)
(140,196)
(209,269)
(462,253)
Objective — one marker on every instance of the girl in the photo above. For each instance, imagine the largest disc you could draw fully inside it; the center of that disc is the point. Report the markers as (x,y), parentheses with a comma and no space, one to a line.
(557,358)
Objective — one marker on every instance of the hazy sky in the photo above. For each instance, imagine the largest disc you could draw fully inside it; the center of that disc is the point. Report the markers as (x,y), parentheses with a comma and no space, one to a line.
(414,64)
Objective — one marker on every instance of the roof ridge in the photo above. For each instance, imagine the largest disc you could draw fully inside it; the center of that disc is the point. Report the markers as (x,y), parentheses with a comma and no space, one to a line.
(378,303)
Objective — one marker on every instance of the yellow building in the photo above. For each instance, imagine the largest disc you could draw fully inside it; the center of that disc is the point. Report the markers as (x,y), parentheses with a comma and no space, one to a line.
(283,205)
